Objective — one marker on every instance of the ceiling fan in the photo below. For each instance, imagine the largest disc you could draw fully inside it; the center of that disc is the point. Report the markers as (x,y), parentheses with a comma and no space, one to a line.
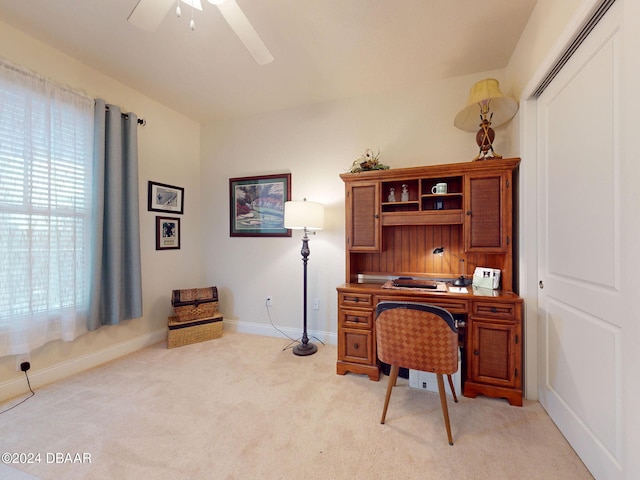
(148,14)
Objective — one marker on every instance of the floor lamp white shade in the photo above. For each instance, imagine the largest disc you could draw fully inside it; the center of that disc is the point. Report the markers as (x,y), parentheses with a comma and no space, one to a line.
(303,215)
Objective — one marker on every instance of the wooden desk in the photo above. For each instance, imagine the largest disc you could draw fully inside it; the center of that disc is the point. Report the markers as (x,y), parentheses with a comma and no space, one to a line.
(473,223)
(490,329)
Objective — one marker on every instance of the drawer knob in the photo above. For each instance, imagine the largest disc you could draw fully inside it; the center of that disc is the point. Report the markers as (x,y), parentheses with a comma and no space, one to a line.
(476,352)
(356,320)
(494,309)
(356,346)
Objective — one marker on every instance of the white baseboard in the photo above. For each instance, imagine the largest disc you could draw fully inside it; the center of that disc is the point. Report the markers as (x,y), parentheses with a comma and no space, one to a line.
(267,330)
(39,378)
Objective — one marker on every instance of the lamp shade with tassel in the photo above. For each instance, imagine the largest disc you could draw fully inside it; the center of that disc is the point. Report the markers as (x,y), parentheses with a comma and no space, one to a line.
(486,93)
(486,106)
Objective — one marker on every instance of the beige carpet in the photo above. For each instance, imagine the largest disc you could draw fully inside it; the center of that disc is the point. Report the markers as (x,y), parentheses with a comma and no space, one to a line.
(239,407)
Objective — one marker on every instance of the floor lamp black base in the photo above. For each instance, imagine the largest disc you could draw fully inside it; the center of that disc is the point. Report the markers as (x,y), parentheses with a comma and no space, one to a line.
(304,349)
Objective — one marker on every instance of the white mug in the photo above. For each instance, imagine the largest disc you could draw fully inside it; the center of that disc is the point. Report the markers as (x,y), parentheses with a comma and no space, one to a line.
(439,188)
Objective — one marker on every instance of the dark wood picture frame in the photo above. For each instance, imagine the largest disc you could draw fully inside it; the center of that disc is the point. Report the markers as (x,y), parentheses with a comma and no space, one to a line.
(165,198)
(167,233)
(256,205)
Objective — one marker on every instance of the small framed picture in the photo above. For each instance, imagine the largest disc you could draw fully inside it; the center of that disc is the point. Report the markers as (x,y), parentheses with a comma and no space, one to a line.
(257,205)
(167,233)
(166,198)
(439,205)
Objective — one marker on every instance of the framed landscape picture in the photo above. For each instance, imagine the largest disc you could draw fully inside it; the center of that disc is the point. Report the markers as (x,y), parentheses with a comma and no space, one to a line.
(166,198)
(257,205)
(167,233)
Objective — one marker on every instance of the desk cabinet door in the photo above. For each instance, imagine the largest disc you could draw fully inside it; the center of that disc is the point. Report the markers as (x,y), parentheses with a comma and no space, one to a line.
(493,358)
(487,213)
(363,217)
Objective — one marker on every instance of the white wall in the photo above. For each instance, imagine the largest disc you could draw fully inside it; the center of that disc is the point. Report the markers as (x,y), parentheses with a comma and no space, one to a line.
(169,152)
(547,23)
(315,144)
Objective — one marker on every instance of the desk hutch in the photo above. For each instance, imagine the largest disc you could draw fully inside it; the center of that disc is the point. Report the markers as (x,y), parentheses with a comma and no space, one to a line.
(473,221)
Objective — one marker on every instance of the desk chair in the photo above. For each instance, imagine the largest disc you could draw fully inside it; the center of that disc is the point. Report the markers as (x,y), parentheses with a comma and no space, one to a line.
(421,337)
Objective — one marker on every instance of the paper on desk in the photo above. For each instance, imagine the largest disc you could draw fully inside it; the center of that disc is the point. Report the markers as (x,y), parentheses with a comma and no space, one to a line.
(458,290)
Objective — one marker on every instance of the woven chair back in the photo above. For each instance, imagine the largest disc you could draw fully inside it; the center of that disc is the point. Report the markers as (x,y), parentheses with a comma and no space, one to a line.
(417,336)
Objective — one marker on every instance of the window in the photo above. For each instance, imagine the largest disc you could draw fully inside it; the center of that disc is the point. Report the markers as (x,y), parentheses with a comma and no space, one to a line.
(46,157)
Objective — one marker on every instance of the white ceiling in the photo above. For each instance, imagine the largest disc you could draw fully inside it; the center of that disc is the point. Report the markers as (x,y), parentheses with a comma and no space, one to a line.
(323,49)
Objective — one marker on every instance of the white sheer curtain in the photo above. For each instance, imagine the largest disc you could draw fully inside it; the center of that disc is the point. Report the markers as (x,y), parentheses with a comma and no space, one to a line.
(46,169)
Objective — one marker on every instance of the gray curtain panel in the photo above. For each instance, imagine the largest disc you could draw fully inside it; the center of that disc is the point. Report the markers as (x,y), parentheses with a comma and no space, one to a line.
(117,275)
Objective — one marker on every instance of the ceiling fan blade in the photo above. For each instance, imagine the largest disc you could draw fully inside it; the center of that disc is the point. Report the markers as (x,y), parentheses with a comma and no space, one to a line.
(148,14)
(239,23)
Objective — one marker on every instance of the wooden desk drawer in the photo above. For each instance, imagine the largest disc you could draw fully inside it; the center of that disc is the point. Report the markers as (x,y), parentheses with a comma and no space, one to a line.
(363,300)
(355,318)
(508,311)
(356,346)
(451,304)
(454,306)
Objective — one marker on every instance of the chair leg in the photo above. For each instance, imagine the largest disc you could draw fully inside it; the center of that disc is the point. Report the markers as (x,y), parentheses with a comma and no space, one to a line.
(453,390)
(393,376)
(445,410)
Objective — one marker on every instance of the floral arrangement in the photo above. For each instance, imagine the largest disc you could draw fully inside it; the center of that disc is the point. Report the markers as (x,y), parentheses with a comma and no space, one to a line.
(368,161)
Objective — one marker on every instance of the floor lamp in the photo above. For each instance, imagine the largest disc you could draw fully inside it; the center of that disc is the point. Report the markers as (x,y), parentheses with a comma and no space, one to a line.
(304,216)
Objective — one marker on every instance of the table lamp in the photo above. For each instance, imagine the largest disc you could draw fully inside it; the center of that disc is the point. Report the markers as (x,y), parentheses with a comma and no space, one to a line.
(494,108)
(461,281)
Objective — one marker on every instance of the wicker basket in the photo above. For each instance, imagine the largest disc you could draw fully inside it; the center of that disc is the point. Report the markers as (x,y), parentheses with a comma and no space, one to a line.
(186,333)
(194,303)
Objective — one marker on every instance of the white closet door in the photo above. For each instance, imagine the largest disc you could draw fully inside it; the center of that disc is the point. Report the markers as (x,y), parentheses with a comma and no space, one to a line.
(581,315)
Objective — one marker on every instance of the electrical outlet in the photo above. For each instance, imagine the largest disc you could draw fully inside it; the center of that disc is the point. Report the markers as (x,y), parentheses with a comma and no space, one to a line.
(20,359)
(316,304)
(269,301)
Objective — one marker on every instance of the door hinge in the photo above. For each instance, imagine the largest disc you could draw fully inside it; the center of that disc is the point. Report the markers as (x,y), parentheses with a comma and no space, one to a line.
(508,184)
(516,372)
(507,240)
(516,339)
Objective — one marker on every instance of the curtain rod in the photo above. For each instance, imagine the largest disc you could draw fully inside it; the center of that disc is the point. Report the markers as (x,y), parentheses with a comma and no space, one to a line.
(25,72)
(141,121)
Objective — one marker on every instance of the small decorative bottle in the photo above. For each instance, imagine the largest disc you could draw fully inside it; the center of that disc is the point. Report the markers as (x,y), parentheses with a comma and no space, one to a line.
(405,193)
(392,195)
